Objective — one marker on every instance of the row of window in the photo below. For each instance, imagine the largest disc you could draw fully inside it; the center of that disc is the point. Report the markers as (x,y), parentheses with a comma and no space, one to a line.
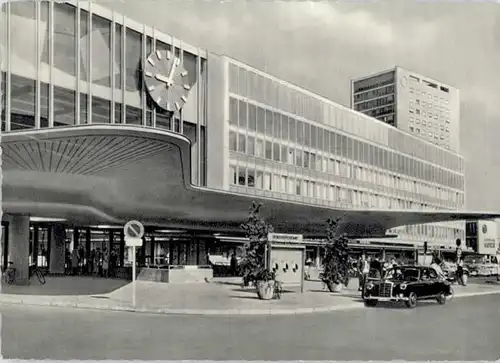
(392,182)
(429,114)
(23,108)
(338,117)
(255,86)
(249,177)
(436,99)
(374,93)
(429,231)
(255,144)
(370,84)
(91,45)
(374,103)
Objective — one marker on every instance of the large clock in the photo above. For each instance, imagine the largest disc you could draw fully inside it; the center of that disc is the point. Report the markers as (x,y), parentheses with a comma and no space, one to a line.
(166,80)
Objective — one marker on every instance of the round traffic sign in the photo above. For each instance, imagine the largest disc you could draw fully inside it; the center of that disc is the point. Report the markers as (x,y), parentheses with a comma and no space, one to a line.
(133,229)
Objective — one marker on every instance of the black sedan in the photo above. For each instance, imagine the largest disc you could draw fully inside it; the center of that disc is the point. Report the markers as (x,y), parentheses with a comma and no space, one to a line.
(408,284)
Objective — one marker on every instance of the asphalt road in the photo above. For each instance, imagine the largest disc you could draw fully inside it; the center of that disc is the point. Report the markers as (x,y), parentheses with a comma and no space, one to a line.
(464,329)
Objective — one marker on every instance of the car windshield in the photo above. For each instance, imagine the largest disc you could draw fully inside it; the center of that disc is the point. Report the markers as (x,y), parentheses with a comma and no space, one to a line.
(405,274)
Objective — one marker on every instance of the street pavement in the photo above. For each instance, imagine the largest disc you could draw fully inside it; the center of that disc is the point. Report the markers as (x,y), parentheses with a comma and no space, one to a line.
(221,297)
(463,329)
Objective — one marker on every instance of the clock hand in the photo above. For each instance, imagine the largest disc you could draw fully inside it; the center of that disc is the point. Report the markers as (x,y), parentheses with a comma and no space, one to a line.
(175,63)
(161,78)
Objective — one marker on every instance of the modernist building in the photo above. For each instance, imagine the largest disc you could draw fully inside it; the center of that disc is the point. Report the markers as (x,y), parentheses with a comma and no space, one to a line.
(106,120)
(424,107)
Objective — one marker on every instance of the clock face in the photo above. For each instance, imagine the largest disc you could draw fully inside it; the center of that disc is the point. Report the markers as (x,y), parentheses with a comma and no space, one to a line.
(166,80)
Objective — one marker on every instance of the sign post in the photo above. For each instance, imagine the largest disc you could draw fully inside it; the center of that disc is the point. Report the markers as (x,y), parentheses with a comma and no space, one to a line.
(133,230)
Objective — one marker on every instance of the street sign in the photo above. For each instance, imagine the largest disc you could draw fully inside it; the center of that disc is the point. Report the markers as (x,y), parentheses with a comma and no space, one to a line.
(284,238)
(135,242)
(133,229)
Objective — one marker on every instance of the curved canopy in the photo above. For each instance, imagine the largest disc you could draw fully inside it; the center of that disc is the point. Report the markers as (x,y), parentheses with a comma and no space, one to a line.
(95,174)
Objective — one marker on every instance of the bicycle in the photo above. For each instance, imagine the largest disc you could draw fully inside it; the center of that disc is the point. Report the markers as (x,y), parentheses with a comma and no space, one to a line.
(10,274)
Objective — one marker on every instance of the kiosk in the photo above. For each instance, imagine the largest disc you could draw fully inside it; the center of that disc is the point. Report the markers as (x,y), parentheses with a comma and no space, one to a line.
(286,257)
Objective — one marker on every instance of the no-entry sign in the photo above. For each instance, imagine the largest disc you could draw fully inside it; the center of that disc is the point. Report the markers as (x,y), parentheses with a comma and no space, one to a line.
(133,229)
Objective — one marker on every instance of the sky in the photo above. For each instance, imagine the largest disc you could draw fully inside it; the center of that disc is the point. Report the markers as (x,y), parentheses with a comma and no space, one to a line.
(322,45)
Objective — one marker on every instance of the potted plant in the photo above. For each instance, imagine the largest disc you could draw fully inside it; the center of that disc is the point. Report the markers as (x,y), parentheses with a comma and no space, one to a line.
(253,264)
(336,259)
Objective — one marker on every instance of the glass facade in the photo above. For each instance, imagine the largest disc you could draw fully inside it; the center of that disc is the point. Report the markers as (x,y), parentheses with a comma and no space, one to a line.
(290,144)
(81,64)
(72,64)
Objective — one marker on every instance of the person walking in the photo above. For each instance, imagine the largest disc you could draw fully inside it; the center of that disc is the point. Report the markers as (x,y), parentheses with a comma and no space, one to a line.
(74,262)
(363,269)
(105,263)
(460,263)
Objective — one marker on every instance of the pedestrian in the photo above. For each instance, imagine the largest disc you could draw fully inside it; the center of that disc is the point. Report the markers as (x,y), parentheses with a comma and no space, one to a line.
(105,263)
(234,265)
(459,262)
(363,269)
(376,266)
(74,262)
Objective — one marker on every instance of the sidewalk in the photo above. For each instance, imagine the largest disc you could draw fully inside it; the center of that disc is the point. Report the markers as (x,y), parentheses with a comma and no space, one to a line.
(219,297)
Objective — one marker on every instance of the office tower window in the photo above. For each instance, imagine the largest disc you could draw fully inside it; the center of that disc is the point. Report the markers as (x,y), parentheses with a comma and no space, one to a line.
(284,127)
(261,120)
(133,53)
(292,130)
(276,152)
(242,143)
(232,174)
(118,56)
(233,141)
(259,180)
(233,111)
(306,159)
(101,53)
(250,145)
(269,123)
(307,134)
(252,117)
(251,178)
(300,133)
(241,176)
(242,112)
(298,157)
(276,125)
(64,39)
(101,110)
(269,150)
(298,187)
(259,148)
(242,81)
(233,78)
(267,181)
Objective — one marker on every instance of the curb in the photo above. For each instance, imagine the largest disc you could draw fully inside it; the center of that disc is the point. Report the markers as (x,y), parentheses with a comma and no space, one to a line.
(212,312)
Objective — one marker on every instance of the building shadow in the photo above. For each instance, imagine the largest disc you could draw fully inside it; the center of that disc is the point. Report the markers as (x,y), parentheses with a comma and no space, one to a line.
(66,285)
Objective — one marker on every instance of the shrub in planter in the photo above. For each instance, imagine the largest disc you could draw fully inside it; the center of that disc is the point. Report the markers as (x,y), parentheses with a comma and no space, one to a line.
(336,259)
(253,264)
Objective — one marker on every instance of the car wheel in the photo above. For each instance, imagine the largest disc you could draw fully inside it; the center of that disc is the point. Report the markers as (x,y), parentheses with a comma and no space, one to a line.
(371,302)
(412,300)
(441,299)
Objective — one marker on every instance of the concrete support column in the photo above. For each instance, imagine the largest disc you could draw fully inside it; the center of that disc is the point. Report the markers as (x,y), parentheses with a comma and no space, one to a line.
(19,246)
(57,249)
(318,261)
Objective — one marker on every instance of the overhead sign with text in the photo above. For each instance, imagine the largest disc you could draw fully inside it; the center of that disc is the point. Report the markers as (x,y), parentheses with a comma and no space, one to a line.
(284,238)
(487,237)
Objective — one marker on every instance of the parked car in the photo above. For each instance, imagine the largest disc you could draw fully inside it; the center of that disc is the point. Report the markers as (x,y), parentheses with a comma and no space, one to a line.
(408,284)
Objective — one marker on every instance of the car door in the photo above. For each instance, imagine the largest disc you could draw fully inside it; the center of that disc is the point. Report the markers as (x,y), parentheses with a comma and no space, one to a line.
(426,282)
(435,284)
